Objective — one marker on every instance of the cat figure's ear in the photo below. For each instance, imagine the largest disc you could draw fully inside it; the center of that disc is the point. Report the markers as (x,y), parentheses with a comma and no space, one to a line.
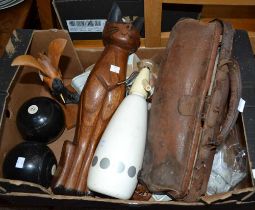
(138,23)
(115,14)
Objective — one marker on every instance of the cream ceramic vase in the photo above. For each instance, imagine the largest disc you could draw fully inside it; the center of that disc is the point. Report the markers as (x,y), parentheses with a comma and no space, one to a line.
(119,154)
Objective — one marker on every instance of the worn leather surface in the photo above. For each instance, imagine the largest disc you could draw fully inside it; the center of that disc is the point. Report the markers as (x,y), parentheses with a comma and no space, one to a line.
(189,109)
(99,99)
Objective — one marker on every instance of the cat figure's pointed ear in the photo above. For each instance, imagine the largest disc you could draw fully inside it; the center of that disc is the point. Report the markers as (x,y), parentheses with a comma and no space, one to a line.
(115,14)
(138,23)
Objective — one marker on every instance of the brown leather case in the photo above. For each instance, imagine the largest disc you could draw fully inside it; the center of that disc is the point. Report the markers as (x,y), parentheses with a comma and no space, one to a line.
(194,106)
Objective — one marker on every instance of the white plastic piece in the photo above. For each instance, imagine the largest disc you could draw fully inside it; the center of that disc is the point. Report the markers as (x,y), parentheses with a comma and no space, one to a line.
(20,162)
(160,197)
(253,173)
(133,59)
(241,105)
(79,81)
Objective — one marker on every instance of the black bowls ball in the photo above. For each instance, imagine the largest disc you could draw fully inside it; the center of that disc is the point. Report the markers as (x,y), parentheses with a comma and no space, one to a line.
(30,161)
(40,119)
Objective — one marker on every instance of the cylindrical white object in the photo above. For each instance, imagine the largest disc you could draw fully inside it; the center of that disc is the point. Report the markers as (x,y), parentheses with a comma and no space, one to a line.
(119,154)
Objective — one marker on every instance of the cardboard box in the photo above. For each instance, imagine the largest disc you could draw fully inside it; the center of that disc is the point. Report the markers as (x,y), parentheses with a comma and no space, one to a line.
(85,19)
(22,83)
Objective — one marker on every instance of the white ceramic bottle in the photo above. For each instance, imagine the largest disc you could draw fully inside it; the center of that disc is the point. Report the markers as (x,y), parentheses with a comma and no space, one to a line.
(119,154)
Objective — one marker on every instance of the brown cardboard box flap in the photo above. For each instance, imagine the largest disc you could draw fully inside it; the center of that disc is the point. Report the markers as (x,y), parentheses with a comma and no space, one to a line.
(8,185)
(35,195)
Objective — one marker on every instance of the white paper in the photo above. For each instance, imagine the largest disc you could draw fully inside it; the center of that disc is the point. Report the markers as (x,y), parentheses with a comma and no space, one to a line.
(115,69)
(88,25)
(20,162)
(161,197)
(241,105)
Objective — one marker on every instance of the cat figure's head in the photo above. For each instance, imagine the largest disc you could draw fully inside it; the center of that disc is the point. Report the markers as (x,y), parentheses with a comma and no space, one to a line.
(122,34)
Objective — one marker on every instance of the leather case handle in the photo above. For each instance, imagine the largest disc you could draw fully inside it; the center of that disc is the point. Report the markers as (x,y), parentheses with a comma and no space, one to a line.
(235,95)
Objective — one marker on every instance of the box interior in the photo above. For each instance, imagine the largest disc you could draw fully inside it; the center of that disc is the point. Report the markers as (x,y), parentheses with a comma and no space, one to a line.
(27,84)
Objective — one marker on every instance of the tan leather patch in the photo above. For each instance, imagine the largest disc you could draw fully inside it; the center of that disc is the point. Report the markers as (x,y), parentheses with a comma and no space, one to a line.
(187,105)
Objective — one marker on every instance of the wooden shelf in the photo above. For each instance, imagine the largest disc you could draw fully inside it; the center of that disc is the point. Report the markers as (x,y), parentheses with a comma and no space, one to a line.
(165,36)
(45,13)
(212,2)
(94,43)
(84,44)
(154,37)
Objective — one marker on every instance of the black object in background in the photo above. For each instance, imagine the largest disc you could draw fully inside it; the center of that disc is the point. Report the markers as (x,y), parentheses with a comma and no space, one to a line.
(30,161)
(40,119)
(82,10)
(242,52)
(171,13)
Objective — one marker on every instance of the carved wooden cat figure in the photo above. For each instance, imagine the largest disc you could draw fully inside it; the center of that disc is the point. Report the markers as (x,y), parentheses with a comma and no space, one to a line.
(99,99)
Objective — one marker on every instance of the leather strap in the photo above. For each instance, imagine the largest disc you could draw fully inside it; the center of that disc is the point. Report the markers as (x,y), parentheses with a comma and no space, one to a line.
(235,95)
(227,83)
(234,78)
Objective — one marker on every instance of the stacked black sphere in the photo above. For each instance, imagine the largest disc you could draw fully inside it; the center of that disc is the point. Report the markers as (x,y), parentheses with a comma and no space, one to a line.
(40,121)
(30,161)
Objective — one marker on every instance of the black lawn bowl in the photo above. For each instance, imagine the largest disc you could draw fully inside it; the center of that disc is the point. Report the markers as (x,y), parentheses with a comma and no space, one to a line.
(40,119)
(30,161)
